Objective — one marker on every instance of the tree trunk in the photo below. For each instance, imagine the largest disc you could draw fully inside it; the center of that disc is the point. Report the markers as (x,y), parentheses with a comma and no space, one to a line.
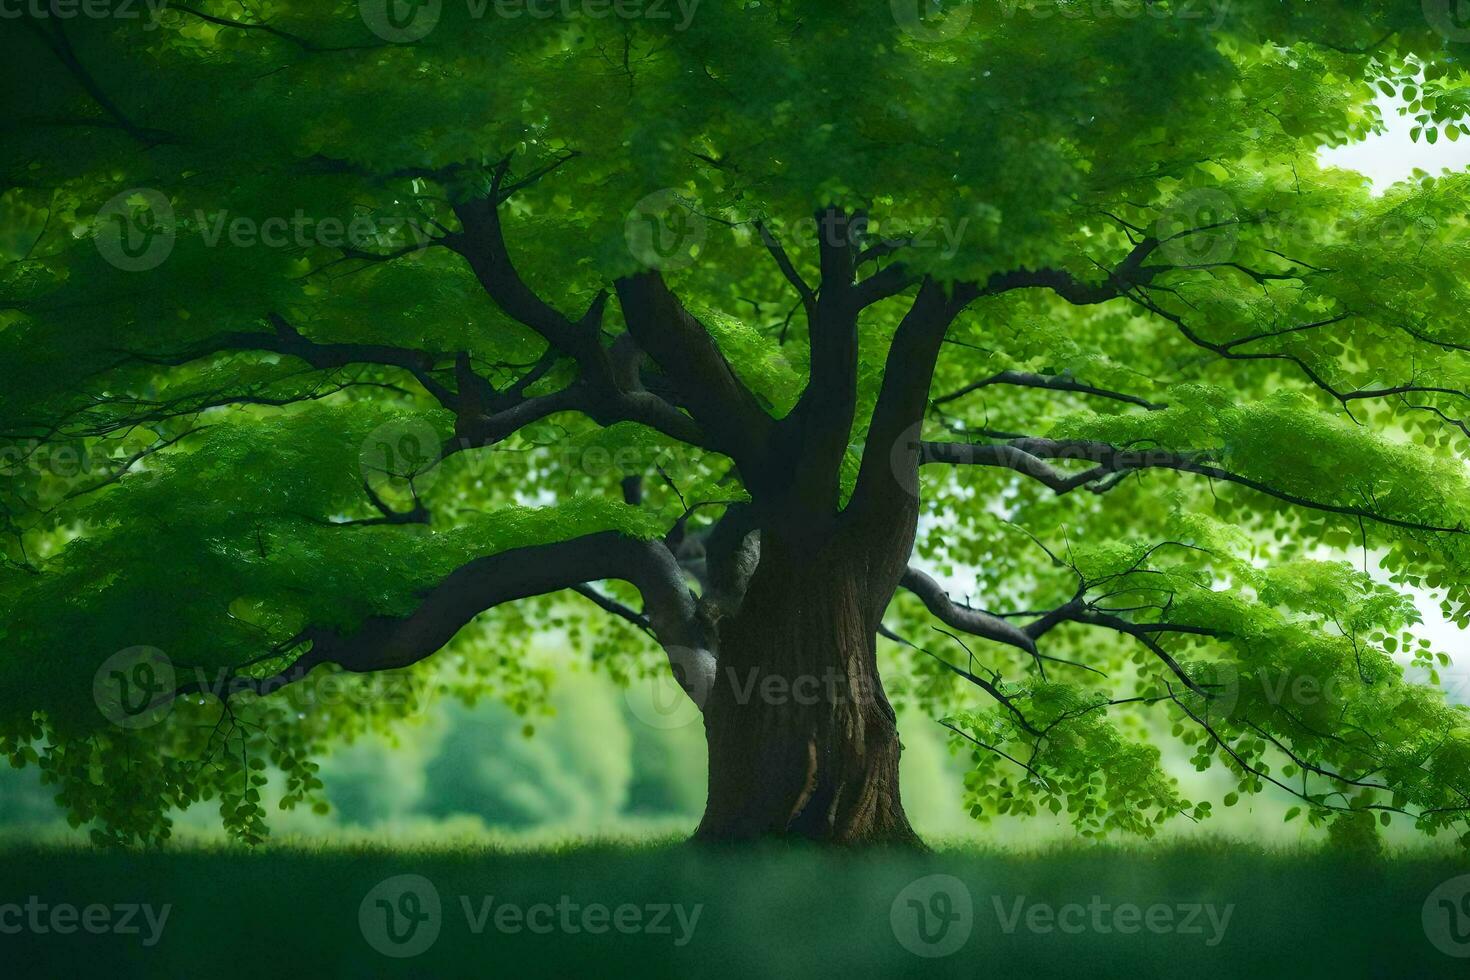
(802,741)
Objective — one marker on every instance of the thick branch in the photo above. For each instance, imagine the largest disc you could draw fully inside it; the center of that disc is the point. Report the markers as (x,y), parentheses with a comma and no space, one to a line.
(888,475)
(972,621)
(387,643)
(688,354)
(815,435)
(482,243)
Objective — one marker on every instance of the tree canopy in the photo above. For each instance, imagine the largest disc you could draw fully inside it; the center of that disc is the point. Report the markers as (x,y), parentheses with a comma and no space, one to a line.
(364,339)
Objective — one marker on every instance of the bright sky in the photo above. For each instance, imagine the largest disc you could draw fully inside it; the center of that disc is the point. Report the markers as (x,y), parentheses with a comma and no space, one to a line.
(1385,159)
(1392,156)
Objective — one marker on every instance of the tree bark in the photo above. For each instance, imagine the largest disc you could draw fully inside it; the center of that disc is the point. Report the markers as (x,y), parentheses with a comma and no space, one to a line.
(803,744)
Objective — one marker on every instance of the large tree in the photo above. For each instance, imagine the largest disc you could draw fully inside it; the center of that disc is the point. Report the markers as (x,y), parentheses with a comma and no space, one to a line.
(367,340)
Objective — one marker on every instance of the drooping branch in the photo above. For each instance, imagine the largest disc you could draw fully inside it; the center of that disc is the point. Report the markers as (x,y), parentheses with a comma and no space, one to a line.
(53,35)
(1050,382)
(1028,457)
(286,340)
(1317,800)
(1230,350)
(1084,613)
(265,27)
(611,606)
(788,269)
(990,687)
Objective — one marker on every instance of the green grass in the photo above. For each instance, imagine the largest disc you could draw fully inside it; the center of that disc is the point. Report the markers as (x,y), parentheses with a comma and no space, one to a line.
(765,912)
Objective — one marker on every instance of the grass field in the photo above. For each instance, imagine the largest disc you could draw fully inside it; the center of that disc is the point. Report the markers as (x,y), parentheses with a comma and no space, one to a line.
(1226,911)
